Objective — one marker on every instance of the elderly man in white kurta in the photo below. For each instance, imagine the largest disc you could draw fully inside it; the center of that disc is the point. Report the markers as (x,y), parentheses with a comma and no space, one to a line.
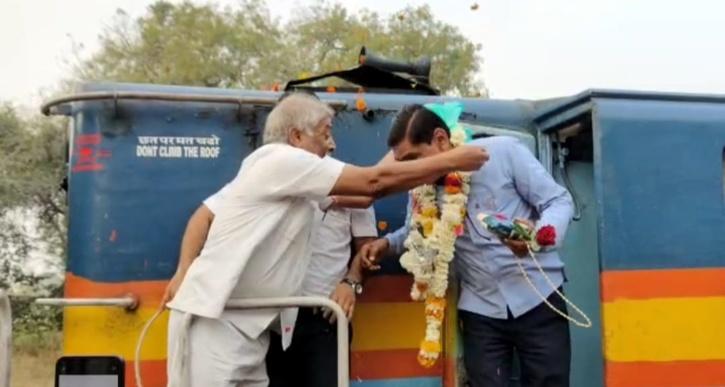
(258,245)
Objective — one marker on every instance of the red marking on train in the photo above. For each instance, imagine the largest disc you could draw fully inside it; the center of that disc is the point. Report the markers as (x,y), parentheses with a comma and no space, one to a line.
(88,153)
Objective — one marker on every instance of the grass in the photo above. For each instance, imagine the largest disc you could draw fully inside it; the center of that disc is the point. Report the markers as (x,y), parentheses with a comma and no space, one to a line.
(34,357)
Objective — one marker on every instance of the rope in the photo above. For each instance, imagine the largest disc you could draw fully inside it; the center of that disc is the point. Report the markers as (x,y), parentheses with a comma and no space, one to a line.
(586,324)
(139,345)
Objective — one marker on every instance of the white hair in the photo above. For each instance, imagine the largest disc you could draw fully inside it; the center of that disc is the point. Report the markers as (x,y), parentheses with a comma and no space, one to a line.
(299,110)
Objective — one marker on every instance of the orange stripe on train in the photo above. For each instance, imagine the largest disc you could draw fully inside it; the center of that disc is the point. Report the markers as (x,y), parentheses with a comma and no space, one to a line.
(663,283)
(382,288)
(147,291)
(665,374)
(153,373)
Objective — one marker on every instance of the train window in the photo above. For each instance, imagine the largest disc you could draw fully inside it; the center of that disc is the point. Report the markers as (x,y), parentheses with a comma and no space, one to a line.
(572,146)
(576,141)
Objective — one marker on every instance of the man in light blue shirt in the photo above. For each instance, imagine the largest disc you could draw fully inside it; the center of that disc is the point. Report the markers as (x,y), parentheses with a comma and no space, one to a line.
(498,308)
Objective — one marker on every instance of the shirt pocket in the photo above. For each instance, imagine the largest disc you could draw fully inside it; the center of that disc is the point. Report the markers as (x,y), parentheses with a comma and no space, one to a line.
(478,233)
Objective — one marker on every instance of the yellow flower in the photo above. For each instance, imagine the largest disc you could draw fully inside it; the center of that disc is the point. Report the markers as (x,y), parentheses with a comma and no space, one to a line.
(427,227)
(430,346)
(429,212)
(436,302)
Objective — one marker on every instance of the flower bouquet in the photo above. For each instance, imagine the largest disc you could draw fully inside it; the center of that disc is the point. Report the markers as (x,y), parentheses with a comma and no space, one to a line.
(519,230)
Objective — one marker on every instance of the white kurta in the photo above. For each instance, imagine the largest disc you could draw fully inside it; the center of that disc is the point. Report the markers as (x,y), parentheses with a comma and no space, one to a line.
(331,242)
(259,242)
(331,248)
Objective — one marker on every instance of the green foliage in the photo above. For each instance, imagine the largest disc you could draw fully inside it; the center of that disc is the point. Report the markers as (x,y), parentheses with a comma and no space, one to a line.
(31,170)
(37,342)
(35,322)
(244,46)
(32,208)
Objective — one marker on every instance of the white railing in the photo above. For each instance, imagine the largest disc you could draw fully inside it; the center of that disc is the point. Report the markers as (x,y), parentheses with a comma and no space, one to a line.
(131,302)
(6,339)
(343,373)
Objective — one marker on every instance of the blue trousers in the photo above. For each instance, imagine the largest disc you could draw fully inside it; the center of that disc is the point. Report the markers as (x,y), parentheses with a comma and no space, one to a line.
(311,359)
(540,339)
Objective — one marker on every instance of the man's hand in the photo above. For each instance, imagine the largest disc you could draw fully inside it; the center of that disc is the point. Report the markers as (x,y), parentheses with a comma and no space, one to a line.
(172,287)
(518,247)
(468,158)
(373,252)
(344,296)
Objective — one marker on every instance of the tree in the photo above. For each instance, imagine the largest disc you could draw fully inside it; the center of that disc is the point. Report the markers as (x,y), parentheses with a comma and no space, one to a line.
(32,209)
(31,170)
(327,37)
(246,47)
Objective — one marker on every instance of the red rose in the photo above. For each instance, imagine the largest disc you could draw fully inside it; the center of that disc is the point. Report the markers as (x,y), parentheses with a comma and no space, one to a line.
(546,236)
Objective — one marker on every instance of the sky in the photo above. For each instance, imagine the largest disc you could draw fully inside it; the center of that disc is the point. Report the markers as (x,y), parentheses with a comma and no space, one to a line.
(532,49)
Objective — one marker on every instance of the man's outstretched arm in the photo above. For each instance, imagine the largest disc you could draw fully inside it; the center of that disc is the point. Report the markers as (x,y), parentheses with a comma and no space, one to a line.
(390,177)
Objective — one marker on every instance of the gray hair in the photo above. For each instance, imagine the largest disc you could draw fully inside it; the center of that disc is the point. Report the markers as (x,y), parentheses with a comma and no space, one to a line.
(298,110)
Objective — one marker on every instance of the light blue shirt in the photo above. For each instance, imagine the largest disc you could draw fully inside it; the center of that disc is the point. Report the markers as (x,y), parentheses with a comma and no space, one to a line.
(513,183)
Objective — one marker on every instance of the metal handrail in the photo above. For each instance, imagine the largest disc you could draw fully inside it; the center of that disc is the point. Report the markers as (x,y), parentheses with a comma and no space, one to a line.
(129,302)
(343,372)
(47,108)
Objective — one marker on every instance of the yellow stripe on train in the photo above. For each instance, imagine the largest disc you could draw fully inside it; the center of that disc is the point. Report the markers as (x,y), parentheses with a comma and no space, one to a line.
(113,331)
(390,325)
(101,330)
(664,329)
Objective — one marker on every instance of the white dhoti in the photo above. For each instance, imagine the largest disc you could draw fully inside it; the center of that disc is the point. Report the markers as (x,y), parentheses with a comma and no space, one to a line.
(214,352)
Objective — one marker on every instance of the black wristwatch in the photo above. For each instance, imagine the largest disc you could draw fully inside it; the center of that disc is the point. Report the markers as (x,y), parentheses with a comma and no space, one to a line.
(356,286)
